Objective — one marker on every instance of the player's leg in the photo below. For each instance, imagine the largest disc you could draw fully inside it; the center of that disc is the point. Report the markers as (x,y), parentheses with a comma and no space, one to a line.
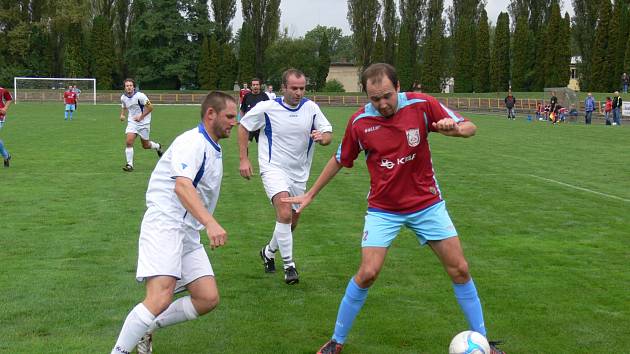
(378,233)
(71,111)
(147,143)
(158,298)
(66,109)
(130,137)
(283,236)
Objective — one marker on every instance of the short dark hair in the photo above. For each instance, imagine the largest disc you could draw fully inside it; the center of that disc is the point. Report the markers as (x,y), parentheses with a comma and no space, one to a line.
(291,72)
(130,80)
(255,79)
(217,100)
(375,73)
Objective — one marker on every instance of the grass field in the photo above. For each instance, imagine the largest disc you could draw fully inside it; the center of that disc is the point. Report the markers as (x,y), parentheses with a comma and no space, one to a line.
(542,212)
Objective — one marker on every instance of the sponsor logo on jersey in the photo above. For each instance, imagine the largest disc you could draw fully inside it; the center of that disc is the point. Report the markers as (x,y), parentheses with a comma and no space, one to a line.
(372,129)
(184,166)
(399,161)
(413,137)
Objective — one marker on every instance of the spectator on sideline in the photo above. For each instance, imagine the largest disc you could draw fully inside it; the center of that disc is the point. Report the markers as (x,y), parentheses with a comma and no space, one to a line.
(608,110)
(625,80)
(250,100)
(589,107)
(616,106)
(553,102)
(510,101)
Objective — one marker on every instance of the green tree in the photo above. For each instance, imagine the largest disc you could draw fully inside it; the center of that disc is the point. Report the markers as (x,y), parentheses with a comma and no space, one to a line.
(209,61)
(333,35)
(583,29)
(482,63)
(521,55)
(378,56)
(289,52)
(500,65)
(405,60)
(228,68)
(412,12)
(463,15)
(363,18)
(433,63)
(246,54)
(159,38)
(223,11)
(324,62)
(554,75)
(618,35)
(102,53)
(344,52)
(602,64)
(391,27)
(264,19)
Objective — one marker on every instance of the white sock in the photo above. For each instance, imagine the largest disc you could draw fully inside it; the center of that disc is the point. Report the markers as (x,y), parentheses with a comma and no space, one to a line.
(154,146)
(269,252)
(129,154)
(180,310)
(284,238)
(135,326)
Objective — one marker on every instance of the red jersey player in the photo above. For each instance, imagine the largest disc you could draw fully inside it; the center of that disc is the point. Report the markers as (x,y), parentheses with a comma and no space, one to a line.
(70,99)
(392,130)
(5,102)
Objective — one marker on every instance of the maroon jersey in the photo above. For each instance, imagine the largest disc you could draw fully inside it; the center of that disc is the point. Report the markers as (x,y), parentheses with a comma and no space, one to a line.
(70,97)
(5,96)
(397,152)
(243,92)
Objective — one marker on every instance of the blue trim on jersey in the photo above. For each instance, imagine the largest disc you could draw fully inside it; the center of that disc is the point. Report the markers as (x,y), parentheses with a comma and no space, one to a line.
(338,154)
(451,114)
(200,172)
(132,94)
(203,132)
(310,140)
(302,102)
(403,101)
(369,111)
(426,121)
(141,106)
(268,133)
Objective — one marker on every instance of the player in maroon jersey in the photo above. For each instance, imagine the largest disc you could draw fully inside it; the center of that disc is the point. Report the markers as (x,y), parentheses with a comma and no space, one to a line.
(70,99)
(392,130)
(5,102)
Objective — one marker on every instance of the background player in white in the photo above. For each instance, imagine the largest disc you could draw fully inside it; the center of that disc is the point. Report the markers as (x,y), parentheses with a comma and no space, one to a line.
(181,197)
(270,93)
(138,108)
(290,125)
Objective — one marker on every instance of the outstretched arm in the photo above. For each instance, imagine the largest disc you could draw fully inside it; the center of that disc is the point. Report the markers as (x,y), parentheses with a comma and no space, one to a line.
(329,171)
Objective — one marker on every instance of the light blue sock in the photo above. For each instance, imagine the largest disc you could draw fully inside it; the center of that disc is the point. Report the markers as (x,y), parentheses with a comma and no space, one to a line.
(468,300)
(71,112)
(66,116)
(3,150)
(350,306)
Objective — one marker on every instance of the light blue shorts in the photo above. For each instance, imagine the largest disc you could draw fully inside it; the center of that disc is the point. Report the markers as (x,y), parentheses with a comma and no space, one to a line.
(69,107)
(430,224)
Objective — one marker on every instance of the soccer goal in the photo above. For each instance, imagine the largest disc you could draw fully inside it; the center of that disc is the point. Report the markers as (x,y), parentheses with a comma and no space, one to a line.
(51,89)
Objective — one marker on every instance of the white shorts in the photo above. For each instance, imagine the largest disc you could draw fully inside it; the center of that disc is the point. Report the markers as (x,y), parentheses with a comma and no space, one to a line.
(142,130)
(169,247)
(276,181)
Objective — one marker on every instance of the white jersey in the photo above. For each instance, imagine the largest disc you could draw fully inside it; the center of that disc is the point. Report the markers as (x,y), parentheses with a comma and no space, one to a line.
(285,139)
(135,105)
(194,155)
(271,95)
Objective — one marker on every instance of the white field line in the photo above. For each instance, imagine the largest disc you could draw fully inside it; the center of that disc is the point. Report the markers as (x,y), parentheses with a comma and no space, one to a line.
(580,188)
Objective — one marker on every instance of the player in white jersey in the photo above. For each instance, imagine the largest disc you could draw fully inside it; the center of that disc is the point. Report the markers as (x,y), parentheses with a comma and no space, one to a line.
(289,127)
(138,108)
(181,197)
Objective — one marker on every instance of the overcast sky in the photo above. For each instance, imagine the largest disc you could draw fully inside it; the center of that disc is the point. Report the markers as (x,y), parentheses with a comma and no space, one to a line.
(300,16)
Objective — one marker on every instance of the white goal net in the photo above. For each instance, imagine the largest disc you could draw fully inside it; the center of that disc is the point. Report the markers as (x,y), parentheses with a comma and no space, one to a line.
(51,89)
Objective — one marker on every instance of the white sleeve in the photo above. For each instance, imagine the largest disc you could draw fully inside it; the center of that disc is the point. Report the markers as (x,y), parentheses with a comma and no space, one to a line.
(142,98)
(321,123)
(186,158)
(255,118)
(122,102)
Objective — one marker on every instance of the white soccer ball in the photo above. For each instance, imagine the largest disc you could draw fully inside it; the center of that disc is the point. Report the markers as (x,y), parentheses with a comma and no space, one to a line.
(469,342)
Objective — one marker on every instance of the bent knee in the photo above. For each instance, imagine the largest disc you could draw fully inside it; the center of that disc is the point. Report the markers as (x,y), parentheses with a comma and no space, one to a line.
(206,303)
(459,272)
(366,277)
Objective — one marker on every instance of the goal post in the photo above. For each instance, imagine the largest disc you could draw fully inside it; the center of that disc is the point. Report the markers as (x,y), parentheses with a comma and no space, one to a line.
(51,89)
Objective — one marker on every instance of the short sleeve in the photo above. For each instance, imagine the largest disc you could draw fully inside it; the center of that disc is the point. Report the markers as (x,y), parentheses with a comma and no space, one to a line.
(255,118)
(349,148)
(142,99)
(187,157)
(438,111)
(321,122)
(7,95)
